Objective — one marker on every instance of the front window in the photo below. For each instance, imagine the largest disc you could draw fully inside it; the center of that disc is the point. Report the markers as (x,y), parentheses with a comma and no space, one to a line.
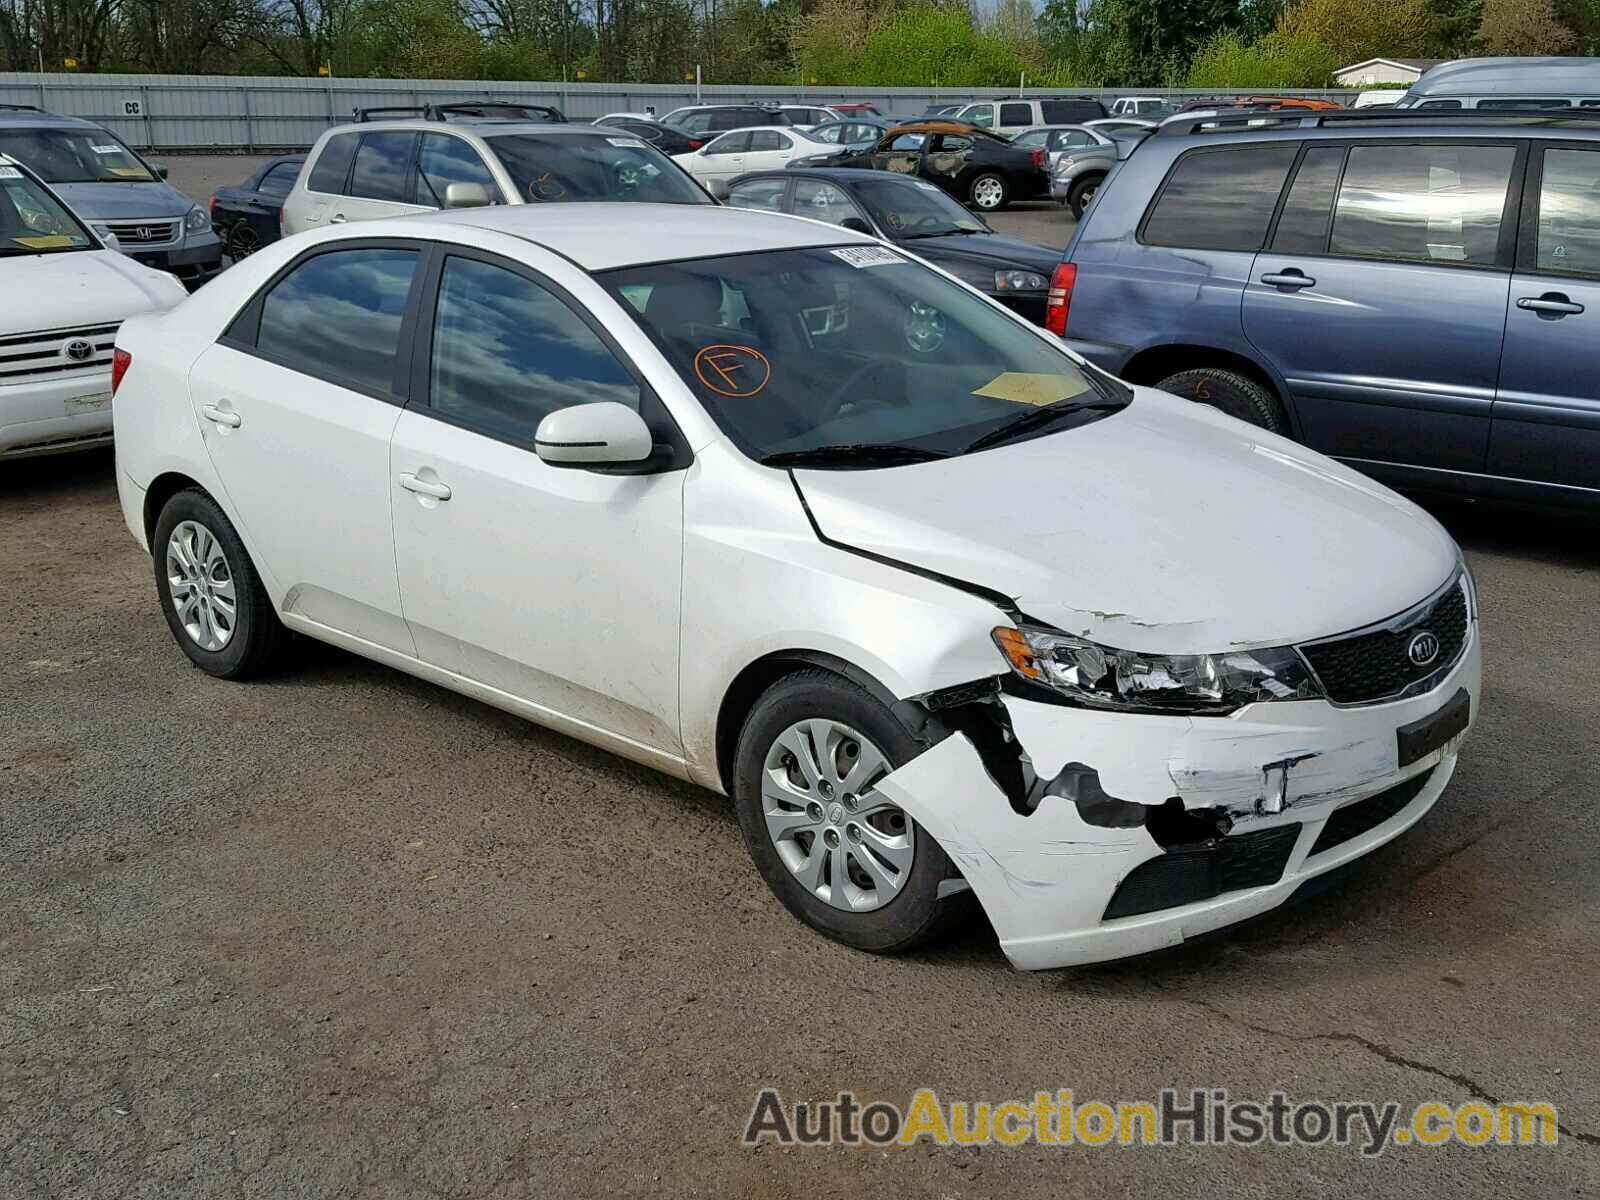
(981,114)
(76,156)
(597,167)
(853,356)
(32,221)
(914,209)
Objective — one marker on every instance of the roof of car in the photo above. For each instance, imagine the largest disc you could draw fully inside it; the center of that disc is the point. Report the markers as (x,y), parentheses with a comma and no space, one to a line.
(9,116)
(599,237)
(844,175)
(939,125)
(482,126)
(1471,76)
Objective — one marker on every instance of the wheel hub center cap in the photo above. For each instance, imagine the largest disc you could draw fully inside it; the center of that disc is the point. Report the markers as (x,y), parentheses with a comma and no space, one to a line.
(836,814)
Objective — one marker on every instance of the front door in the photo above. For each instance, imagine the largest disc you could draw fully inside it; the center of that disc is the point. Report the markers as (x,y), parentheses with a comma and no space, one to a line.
(297,403)
(558,587)
(1547,412)
(901,153)
(1382,307)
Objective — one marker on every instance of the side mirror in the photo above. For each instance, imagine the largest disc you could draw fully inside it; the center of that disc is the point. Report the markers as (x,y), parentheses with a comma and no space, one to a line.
(466,195)
(594,436)
(718,189)
(161,172)
(111,241)
(857,224)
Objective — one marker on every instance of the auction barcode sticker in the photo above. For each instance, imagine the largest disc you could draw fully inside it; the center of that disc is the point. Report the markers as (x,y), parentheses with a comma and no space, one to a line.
(10,173)
(868,256)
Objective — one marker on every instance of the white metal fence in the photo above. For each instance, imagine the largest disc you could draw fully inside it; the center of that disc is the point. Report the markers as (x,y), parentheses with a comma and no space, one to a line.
(252,113)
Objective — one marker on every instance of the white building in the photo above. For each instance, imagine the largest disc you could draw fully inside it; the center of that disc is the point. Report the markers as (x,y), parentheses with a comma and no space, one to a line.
(1404,71)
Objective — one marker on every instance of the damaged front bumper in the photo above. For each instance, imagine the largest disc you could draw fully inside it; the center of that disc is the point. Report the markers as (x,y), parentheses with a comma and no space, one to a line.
(1143,830)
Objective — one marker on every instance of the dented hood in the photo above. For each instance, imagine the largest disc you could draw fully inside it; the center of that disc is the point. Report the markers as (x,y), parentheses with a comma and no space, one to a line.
(1164,527)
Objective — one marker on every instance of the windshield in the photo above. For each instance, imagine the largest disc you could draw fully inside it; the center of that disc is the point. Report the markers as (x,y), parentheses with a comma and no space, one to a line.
(76,156)
(32,221)
(911,210)
(852,348)
(601,167)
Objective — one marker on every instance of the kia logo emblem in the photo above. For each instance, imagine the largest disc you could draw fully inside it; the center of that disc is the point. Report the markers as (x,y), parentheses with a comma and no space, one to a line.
(1424,648)
(78,349)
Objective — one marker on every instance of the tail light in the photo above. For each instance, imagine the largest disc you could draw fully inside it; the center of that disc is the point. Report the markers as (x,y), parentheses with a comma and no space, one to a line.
(1038,158)
(695,143)
(121,360)
(1058,301)
(213,206)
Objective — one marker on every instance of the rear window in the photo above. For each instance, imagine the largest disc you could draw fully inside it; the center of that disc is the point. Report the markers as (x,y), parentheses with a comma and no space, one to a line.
(383,167)
(1016,114)
(1220,199)
(333,165)
(1069,112)
(1440,204)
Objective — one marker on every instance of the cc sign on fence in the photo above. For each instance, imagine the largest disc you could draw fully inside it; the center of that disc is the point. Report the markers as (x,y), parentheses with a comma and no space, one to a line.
(133,108)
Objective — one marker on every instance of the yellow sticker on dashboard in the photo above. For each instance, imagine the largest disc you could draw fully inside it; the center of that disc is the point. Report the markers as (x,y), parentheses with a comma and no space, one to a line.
(136,171)
(1022,387)
(54,241)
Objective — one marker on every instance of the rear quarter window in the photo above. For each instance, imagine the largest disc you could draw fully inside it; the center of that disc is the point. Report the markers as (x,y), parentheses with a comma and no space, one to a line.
(333,165)
(1220,199)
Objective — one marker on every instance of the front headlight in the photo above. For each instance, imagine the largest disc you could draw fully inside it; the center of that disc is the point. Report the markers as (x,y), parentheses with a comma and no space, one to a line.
(197,220)
(1099,676)
(1019,281)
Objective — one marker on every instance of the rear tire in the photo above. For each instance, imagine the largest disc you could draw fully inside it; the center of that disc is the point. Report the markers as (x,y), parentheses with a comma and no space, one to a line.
(210,593)
(1083,193)
(844,728)
(989,192)
(1235,394)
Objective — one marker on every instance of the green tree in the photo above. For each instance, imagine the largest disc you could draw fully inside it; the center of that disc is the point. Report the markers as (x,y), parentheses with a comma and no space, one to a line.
(1354,30)
(1524,27)
(1228,62)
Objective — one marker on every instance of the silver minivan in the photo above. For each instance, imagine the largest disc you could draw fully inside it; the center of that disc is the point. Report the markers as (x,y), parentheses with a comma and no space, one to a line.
(1508,84)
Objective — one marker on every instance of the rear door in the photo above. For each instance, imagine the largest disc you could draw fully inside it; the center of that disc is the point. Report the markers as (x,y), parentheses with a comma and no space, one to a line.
(769,150)
(1381,297)
(381,179)
(326,178)
(1015,116)
(296,403)
(1546,423)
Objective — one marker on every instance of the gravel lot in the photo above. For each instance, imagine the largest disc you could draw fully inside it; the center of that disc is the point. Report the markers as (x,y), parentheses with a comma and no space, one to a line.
(341,933)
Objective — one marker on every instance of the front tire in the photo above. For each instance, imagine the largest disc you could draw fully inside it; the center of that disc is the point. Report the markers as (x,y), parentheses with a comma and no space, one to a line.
(243,241)
(840,857)
(209,591)
(1235,394)
(989,192)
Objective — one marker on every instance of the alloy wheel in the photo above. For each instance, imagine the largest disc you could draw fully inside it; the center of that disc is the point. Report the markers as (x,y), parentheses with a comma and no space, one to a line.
(242,242)
(988,192)
(202,587)
(847,845)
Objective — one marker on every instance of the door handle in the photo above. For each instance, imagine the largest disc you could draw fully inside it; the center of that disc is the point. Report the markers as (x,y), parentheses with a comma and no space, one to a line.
(1551,302)
(424,487)
(222,416)
(1289,279)
(337,219)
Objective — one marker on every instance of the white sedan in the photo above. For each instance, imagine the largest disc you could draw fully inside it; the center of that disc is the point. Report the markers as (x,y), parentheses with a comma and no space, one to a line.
(765,148)
(775,508)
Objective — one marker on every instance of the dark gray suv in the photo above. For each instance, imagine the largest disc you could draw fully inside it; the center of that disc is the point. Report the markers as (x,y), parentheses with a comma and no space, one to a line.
(1415,293)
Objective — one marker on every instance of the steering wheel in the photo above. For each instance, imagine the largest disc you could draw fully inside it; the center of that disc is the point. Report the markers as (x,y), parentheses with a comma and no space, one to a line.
(629,175)
(841,395)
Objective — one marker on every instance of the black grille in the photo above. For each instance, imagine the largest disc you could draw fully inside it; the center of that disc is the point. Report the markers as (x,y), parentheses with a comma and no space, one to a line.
(1188,874)
(1375,666)
(1353,820)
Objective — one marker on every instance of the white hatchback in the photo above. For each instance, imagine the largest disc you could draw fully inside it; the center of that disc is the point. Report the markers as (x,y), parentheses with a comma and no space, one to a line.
(781,510)
(65,293)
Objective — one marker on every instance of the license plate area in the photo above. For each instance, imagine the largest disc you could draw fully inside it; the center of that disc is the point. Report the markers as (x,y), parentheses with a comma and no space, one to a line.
(1421,738)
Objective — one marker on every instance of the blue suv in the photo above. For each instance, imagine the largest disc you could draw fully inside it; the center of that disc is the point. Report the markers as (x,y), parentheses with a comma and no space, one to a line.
(1417,294)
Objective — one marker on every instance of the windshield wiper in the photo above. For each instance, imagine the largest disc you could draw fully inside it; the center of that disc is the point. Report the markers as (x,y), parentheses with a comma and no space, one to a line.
(1038,418)
(859,454)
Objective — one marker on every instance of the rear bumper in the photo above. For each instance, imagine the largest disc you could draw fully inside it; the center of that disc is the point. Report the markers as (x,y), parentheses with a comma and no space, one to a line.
(52,416)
